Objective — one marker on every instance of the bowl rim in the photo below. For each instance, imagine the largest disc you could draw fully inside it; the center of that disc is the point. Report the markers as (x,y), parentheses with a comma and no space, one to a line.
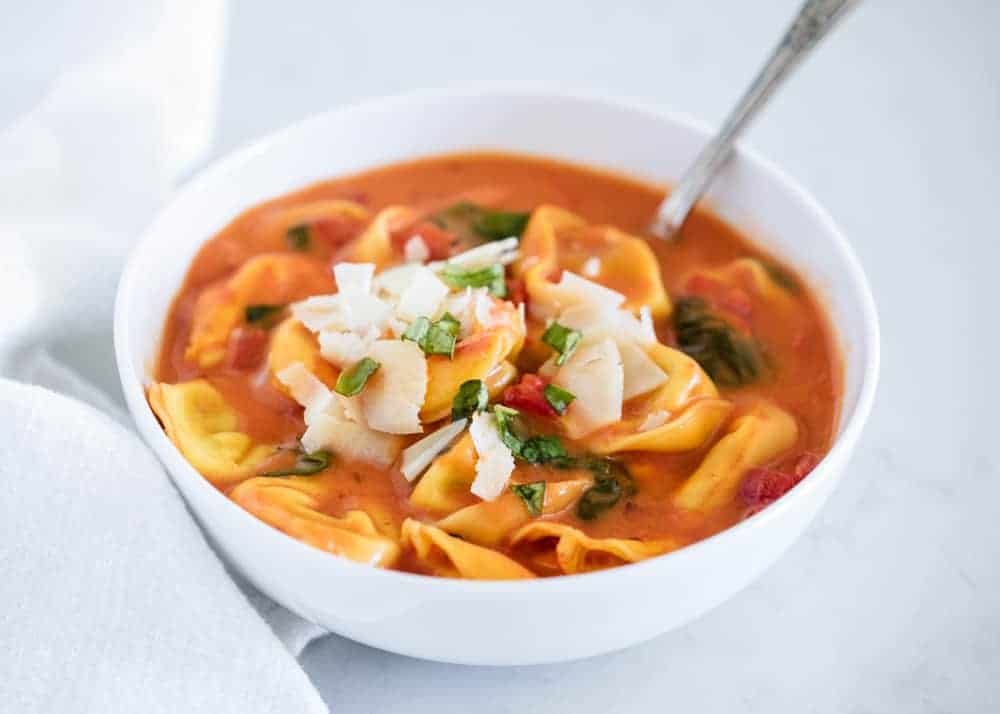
(852,423)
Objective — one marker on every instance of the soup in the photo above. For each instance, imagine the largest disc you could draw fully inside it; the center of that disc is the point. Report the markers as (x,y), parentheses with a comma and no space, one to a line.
(476,366)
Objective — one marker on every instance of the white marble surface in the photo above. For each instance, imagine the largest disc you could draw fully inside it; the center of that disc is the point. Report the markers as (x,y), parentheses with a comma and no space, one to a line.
(889,603)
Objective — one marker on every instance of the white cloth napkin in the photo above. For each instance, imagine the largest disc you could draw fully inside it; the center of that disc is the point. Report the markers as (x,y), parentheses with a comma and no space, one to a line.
(110,598)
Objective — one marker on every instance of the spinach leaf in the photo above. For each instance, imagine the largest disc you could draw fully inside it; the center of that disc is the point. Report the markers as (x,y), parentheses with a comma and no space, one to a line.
(473,223)
(728,357)
(261,313)
(298,237)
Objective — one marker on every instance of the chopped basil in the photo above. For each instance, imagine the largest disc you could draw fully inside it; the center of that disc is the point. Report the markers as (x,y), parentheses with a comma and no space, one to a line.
(298,237)
(417,330)
(533,495)
(305,465)
(729,358)
(491,277)
(497,225)
(261,313)
(563,340)
(435,338)
(558,398)
(352,381)
(534,449)
(472,223)
(611,481)
(472,397)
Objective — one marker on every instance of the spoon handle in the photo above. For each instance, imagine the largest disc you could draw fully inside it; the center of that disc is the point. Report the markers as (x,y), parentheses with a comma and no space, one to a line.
(813,22)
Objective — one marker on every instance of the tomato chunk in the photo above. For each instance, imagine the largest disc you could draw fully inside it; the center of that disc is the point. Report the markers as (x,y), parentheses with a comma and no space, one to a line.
(246,347)
(761,487)
(721,296)
(517,292)
(335,231)
(528,395)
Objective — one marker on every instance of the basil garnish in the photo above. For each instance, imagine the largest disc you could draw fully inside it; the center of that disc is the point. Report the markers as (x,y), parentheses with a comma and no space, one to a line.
(558,398)
(261,313)
(533,495)
(563,340)
(352,381)
(472,397)
(298,237)
(435,338)
(534,449)
(305,465)
(491,277)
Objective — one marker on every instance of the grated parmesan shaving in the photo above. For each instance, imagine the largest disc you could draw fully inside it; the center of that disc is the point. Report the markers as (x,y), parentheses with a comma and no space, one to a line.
(495,462)
(419,455)
(591,267)
(642,374)
(395,392)
(422,296)
(354,278)
(415,250)
(306,389)
(503,251)
(345,348)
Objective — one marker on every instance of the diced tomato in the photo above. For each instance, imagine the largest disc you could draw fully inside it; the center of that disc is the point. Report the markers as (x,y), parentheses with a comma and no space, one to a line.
(721,296)
(517,293)
(762,487)
(246,347)
(529,395)
(439,242)
(335,231)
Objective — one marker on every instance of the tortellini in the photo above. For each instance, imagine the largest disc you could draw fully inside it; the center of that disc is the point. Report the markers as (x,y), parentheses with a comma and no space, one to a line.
(445,486)
(269,279)
(560,548)
(755,438)
(688,404)
(292,506)
(374,245)
(490,522)
(204,427)
(445,555)
(291,342)
(484,355)
(556,240)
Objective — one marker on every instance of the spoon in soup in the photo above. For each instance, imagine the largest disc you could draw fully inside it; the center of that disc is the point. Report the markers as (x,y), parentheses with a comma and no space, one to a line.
(815,19)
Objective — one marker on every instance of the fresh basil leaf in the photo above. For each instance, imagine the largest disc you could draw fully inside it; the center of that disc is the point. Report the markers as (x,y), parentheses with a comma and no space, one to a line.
(729,358)
(491,277)
(352,381)
(533,495)
(417,330)
(497,225)
(558,398)
(298,237)
(472,223)
(563,340)
(261,313)
(535,449)
(611,481)
(305,465)
(450,324)
(472,397)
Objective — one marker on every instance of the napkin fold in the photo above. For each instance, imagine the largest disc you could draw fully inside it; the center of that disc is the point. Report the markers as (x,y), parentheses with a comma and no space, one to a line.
(111,600)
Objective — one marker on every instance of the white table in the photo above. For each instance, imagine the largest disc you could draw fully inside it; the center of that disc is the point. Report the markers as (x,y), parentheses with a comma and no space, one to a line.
(889,602)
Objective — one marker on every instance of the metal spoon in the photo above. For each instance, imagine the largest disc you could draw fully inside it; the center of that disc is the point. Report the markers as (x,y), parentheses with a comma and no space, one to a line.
(813,22)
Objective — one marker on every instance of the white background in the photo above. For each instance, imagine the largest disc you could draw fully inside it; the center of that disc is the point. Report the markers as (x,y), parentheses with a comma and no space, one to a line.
(890,601)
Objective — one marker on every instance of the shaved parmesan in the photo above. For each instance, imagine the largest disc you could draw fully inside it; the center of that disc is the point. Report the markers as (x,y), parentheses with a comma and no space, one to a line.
(392,282)
(351,440)
(422,296)
(594,374)
(363,311)
(495,462)
(345,348)
(654,420)
(419,455)
(306,389)
(642,374)
(587,291)
(415,250)
(598,322)
(499,251)
(395,392)
(320,312)
(647,329)
(591,267)
(354,278)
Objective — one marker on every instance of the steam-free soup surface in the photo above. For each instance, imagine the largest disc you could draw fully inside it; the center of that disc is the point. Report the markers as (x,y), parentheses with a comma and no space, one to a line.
(739,339)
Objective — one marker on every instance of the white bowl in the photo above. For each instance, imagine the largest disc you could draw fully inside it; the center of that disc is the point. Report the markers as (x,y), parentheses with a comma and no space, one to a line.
(500,623)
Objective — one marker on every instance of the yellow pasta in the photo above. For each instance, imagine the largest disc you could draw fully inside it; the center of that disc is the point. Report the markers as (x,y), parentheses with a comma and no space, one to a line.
(569,550)
(556,240)
(203,426)
(291,342)
(374,245)
(753,439)
(292,506)
(268,279)
(490,522)
(445,486)
(444,555)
